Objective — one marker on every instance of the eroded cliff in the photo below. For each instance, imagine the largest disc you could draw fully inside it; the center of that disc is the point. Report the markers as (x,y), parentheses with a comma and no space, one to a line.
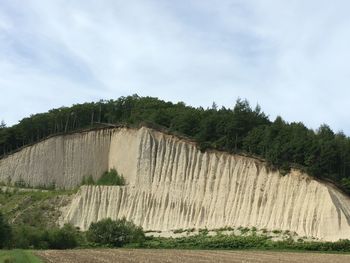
(60,160)
(172,185)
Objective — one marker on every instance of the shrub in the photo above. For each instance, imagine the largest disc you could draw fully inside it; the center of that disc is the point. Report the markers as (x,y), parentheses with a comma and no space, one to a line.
(25,236)
(88,180)
(115,233)
(56,238)
(63,238)
(111,178)
(5,232)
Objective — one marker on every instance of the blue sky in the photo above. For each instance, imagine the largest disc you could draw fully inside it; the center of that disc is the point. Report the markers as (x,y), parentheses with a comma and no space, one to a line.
(291,57)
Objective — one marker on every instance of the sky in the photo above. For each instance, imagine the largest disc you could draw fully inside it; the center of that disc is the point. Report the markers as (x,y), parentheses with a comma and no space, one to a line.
(289,56)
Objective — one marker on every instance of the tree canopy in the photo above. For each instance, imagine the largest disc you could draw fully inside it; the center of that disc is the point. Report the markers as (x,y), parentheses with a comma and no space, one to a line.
(322,153)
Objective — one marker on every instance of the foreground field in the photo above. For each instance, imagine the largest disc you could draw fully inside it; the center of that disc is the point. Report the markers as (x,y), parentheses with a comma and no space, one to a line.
(184,256)
(18,256)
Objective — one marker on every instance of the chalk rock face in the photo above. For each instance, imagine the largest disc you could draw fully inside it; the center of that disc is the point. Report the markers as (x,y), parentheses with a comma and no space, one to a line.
(172,185)
(60,160)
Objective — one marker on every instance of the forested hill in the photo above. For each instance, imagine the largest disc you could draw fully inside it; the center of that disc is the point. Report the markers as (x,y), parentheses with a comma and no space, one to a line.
(321,153)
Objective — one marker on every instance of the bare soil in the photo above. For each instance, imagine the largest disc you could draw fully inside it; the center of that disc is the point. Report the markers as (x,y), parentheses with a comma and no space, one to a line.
(184,256)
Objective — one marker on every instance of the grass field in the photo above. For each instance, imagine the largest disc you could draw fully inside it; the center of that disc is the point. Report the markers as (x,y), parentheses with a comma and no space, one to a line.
(185,256)
(18,256)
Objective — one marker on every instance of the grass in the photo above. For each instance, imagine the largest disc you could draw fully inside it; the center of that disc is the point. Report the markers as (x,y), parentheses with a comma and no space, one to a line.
(18,256)
(35,208)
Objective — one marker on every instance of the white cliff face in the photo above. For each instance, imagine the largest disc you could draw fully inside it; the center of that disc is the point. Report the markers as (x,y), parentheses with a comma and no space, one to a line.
(172,185)
(63,160)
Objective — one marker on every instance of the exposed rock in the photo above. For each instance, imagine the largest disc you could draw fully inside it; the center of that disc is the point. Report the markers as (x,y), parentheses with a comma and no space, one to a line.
(172,185)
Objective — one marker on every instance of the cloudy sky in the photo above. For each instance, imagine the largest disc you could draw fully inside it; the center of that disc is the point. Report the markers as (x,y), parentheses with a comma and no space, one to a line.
(290,56)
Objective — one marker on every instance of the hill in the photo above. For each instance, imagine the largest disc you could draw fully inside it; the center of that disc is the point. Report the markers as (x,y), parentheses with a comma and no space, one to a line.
(322,153)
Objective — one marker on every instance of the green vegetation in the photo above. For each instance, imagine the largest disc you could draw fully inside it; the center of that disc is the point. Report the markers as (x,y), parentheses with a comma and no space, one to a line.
(33,215)
(108,178)
(18,256)
(322,153)
(5,231)
(115,233)
(35,208)
(88,180)
(120,232)
(220,241)
(111,178)
(45,238)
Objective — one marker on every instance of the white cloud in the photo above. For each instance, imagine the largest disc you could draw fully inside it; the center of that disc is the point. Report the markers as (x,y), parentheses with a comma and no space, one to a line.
(290,56)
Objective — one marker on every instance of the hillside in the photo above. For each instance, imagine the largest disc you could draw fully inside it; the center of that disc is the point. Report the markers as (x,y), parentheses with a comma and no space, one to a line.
(171,184)
(321,153)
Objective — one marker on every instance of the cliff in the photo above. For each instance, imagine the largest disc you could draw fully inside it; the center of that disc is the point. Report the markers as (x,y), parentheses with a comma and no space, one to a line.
(60,160)
(172,185)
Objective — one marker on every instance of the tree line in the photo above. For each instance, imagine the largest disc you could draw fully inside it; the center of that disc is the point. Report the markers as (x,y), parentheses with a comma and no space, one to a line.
(240,129)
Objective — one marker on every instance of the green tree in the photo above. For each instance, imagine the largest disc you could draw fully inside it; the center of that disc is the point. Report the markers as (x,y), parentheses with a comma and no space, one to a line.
(115,233)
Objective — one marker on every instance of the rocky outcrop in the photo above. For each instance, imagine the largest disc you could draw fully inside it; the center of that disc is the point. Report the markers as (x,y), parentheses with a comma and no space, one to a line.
(60,160)
(172,185)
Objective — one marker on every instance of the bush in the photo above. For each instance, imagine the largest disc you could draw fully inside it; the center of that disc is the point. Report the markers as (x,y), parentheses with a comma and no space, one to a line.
(88,180)
(55,238)
(111,178)
(5,232)
(64,238)
(115,233)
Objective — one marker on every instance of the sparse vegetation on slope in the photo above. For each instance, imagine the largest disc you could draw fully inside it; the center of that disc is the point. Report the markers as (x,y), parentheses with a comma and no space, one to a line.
(107,178)
(32,207)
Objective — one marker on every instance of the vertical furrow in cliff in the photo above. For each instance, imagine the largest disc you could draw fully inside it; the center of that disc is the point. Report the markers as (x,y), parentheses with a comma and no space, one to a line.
(171,162)
(161,158)
(216,175)
(232,198)
(239,213)
(177,151)
(315,219)
(236,193)
(311,221)
(265,209)
(197,185)
(154,217)
(184,161)
(231,186)
(295,188)
(301,200)
(147,213)
(253,178)
(154,157)
(254,212)
(276,201)
(194,161)
(203,175)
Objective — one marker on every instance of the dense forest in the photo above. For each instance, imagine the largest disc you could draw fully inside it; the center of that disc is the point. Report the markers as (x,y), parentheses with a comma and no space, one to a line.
(242,129)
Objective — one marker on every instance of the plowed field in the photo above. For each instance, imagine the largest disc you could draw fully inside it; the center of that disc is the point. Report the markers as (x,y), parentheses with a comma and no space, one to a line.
(184,256)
